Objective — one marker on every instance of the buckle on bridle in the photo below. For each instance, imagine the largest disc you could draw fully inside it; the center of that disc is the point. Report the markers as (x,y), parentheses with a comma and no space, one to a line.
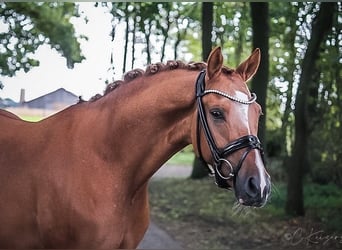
(219,165)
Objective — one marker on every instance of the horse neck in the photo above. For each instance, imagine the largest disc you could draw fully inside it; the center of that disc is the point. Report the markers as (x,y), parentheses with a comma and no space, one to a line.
(149,119)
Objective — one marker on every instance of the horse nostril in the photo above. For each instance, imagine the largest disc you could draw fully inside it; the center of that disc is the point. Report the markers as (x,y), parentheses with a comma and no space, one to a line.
(252,188)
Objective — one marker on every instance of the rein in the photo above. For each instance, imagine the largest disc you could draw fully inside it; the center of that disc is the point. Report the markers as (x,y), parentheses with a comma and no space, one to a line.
(219,154)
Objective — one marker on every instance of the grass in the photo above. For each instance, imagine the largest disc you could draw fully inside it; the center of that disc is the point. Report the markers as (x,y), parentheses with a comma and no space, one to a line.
(31,118)
(200,215)
(183,157)
(324,203)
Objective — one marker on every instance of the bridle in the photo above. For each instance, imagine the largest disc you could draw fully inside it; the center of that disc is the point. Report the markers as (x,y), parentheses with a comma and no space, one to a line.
(219,155)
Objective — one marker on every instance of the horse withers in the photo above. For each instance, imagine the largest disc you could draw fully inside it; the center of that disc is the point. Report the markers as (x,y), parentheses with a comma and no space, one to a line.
(78,179)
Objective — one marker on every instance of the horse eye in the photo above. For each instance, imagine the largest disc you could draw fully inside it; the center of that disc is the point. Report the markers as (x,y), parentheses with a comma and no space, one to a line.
(217,114)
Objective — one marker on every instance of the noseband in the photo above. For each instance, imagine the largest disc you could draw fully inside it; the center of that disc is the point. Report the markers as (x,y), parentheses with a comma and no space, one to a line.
(249,142)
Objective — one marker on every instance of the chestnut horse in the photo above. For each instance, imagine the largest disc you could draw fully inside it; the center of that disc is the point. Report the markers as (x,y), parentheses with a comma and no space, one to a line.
(78,179)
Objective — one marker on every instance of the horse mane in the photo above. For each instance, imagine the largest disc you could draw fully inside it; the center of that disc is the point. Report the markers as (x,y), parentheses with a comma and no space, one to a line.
(154,69)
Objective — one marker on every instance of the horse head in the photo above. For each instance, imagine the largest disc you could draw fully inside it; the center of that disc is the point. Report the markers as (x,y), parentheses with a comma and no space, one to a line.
(227,126)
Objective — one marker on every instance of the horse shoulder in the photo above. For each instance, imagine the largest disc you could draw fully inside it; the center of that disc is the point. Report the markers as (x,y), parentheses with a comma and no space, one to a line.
(137,219)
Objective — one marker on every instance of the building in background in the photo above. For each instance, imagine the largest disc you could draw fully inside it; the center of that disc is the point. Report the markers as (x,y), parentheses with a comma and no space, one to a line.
(42,106)
(56,100)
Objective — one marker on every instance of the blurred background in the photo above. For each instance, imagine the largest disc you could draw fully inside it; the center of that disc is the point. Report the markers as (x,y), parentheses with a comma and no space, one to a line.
(53,53)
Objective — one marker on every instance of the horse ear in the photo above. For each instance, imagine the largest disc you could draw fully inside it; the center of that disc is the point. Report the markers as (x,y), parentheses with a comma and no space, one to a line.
(248,68)
(214,63)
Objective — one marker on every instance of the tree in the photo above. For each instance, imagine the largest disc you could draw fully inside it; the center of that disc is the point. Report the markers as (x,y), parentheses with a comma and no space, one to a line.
(165,9)
(31,24)
(177,26)
(184,23)
(321,24)
(207,28)
(199,170)
(325,110)
(260,26)
(287,70)
(126,10)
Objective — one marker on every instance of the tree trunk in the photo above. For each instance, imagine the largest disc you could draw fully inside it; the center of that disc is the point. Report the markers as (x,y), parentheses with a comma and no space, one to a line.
(126,41)
(241,35)
(260,26)
(181,34)
(199,170)
(134,38)
(148,46)
(320,26)
(289,41)
(207,27)
(165,33)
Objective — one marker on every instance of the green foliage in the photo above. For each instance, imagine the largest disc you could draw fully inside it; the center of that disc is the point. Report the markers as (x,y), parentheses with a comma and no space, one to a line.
(156,26)
(188,198)
(323,202)
(184,157)
(177,25)
(31,118)
(31,24)
(232,30)
(325,109)
(290,32)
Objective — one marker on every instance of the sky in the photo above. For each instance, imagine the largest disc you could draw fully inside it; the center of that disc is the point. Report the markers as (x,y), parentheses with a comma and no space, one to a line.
(88,77)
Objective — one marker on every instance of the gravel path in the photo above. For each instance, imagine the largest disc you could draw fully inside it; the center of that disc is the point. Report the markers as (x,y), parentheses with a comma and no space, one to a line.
(155,237)
(173,171)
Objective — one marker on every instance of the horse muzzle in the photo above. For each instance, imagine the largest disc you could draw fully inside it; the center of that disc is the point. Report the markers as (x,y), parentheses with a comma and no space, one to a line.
(253,186)
(248,178)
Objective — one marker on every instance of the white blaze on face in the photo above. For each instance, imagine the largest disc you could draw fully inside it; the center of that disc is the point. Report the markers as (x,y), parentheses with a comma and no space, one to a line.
(243,109)
(244,119)
(262,174)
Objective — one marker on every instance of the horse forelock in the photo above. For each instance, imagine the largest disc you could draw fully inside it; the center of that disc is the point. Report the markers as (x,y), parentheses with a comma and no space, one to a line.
(153,69)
